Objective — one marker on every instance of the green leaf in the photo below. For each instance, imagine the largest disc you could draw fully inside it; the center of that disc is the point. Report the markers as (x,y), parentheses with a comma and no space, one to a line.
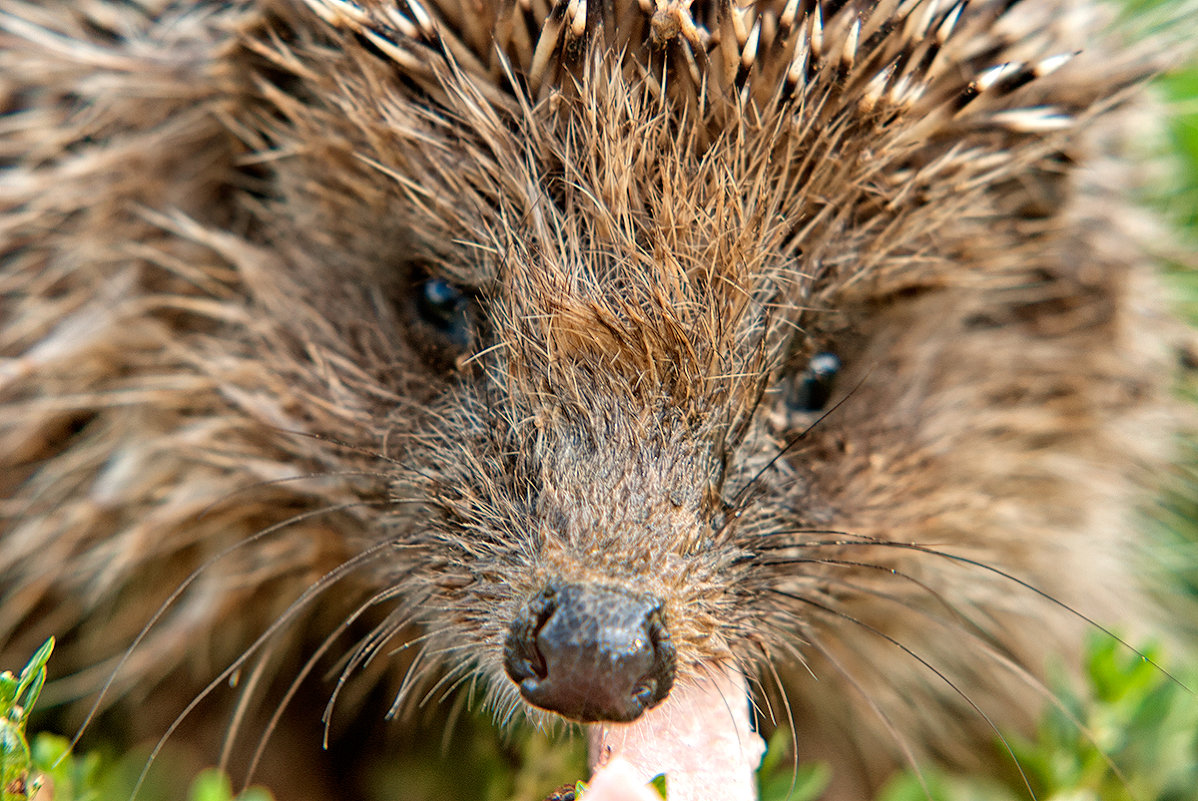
(211,785)
(74,778)
(215,785)
(17,698)
(14,762)
(781,779)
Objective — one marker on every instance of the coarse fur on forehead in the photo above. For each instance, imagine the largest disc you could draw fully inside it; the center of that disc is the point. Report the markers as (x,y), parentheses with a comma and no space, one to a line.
(670,190)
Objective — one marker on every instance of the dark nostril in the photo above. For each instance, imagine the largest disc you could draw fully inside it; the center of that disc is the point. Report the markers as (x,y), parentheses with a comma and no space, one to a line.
(643,693)
(591,653)
(521,658)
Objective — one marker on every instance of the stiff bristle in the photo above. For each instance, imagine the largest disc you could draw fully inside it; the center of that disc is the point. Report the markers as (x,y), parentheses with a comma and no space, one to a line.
(712,49)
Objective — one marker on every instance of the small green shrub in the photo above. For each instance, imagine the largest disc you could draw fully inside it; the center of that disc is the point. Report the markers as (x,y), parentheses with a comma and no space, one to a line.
(1131,734)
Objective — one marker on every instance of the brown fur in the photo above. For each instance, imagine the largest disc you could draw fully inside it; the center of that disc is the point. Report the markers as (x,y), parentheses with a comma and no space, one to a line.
(213,220)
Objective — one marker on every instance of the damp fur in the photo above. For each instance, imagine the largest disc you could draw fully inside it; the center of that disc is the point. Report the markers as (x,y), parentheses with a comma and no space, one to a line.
(216,384)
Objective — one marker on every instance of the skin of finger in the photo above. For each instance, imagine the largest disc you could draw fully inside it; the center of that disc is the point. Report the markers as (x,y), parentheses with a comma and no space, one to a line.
(702,738)
(619,781)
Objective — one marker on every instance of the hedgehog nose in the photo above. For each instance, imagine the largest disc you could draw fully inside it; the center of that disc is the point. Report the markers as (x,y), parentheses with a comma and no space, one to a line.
(591,653)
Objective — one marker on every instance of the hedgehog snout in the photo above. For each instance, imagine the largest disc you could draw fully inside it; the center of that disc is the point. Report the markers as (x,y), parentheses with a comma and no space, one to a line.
(591,653)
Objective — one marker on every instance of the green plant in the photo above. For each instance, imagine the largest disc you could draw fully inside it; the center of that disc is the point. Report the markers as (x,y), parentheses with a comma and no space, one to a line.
(1130,734)
(18,694)
(781,779)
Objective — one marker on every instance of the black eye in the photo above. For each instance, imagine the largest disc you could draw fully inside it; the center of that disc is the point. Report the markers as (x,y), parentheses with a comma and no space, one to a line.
(813,387)
(441,304)
(444,307)
(442,317)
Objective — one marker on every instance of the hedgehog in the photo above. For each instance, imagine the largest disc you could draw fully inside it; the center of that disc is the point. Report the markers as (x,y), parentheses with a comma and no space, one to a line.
(561,357)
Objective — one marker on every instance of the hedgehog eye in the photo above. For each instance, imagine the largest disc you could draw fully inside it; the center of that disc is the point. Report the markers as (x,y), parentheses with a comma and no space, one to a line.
(442,316)
(813,387)
(443,306)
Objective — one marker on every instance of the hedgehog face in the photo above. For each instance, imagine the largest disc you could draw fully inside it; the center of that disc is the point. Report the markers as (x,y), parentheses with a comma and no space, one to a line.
(619,284)
(579,465)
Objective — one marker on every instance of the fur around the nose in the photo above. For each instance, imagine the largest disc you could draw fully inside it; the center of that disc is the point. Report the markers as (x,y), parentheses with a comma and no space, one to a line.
(591,653)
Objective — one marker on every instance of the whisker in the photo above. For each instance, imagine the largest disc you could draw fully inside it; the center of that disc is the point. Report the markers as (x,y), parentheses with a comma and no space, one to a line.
(276,481)
(449,674)
(757,688)
(362,653)
(948,605)
(349,446)
(938,673)
(319,586)
(188,581)
(308,666)
(418,679)
(714,676)
(977,637)
(410,677)
(864,540)
(959,623)
(896,734)
(740,496)
(240,709)
(790,722)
